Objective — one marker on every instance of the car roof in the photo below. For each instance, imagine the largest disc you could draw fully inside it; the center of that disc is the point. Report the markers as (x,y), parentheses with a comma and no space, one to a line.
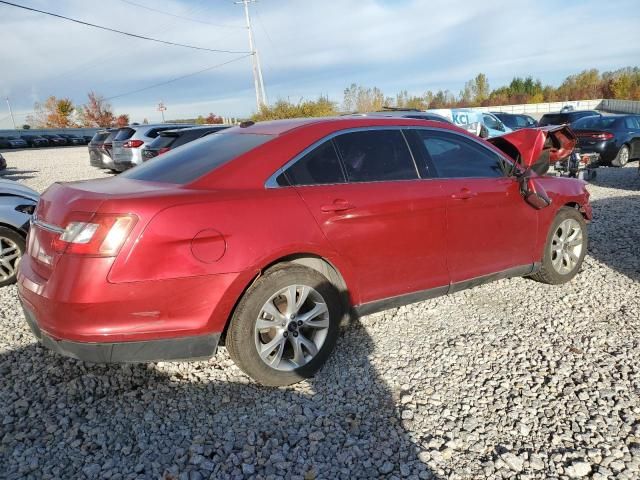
(194,129)
(279,127)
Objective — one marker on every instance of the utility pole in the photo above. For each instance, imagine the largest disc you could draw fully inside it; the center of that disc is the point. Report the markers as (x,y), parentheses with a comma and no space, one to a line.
(161,109)
(261,96)
(11,113)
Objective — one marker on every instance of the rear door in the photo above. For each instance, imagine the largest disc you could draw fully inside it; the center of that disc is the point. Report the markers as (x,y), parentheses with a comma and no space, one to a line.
(365,193)
(490,228)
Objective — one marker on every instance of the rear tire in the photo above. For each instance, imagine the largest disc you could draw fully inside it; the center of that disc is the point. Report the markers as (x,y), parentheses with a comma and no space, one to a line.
(564,249)
(622,158)
(12,247)
(277,342)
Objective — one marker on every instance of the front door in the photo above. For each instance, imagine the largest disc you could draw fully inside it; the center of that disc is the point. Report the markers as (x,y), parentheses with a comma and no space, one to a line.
(364,191)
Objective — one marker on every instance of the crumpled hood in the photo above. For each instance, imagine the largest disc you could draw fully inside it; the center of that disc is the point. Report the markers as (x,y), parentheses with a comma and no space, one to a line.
(536,148)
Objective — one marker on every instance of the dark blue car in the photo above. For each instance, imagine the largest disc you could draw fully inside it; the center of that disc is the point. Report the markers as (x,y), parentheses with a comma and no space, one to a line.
(615,138)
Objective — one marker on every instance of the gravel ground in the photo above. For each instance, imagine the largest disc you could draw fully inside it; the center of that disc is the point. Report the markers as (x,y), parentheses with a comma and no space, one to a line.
(509,380)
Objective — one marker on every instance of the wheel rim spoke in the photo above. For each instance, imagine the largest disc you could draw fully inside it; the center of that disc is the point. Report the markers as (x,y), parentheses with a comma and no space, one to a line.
(292,327)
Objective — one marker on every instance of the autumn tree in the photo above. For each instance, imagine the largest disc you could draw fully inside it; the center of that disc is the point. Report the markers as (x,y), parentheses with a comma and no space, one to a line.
(213,119)
(96,112)
(363,99)
(323,107)
(121,121)
(53,113)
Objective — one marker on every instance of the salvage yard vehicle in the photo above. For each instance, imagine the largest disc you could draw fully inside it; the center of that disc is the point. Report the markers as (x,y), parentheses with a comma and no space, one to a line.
(128,143)
(566,117)
(516,121)
(266,236)
(616,138)
(35,140)
(17,203)
(482,124)
(170,139)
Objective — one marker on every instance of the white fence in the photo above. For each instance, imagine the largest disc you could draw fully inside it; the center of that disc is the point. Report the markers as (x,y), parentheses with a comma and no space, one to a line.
(533,108)
(620,106)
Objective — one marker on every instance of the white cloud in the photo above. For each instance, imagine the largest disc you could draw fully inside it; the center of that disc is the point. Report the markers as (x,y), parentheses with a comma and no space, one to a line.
(307,48)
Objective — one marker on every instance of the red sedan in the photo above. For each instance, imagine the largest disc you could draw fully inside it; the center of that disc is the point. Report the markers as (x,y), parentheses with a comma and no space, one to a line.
(265,235)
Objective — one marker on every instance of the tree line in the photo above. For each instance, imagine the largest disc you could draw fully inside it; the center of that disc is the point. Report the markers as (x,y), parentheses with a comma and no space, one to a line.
(623,83)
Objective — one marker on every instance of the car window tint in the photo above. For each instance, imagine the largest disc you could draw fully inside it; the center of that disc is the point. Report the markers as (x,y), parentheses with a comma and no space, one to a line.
(320,166)
(632,123)
(184,165)
(456,157)
(490,122)
(376,155)
(124,134)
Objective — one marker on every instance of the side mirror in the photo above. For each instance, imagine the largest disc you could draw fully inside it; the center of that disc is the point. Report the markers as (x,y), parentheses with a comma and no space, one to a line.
(532,192)
(484,131)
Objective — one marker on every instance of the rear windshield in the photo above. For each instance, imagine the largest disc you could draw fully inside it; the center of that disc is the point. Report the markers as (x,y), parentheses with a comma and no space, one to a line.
(595,122)
(124,134)
(554,119)
(163,141)
(100,136)
(200,157)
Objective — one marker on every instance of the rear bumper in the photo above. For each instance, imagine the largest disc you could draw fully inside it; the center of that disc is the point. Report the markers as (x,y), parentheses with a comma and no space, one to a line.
(186,348)
(607,150)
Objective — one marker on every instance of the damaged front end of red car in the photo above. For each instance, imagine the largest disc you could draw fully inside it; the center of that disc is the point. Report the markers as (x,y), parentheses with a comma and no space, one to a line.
(534,150)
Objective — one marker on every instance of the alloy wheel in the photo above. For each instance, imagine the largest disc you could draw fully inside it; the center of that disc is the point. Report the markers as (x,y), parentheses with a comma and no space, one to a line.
(9,258)
(566,246)
(291,327)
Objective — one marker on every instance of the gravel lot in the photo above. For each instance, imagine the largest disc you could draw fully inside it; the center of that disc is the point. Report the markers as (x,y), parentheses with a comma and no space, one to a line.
(509,380)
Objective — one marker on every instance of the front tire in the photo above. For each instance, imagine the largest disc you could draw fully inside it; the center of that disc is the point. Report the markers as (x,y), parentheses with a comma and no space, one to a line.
(12,247)
(564,249)
(622,158)
(285,326)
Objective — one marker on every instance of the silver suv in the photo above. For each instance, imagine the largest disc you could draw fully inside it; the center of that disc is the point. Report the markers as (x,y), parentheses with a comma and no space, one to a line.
(129,141)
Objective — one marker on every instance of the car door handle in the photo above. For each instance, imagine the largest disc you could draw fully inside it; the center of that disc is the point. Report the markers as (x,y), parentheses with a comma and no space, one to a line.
(464,194)
(337,206)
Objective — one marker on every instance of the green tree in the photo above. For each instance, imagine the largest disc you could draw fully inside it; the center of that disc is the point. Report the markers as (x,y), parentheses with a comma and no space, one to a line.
(322,107)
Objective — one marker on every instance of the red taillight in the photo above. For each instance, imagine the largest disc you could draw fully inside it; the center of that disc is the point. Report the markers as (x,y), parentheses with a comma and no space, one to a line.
(163,150)
(99,235)
(133,144)
(602,136)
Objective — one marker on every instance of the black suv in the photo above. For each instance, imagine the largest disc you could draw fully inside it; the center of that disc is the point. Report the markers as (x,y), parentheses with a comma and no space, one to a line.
(170,139)
(562,118)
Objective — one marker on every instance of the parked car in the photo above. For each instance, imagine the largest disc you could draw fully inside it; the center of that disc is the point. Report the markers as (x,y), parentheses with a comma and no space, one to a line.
(516,121)
(566,117)
(100,148)
(87,138)
(35,140)
(55,140)
(17,203)
(615,138)
(482,124)
(129,141)
(4,142)
(266,234)
(170,139)
(16,142)
(72,139)
(3,162)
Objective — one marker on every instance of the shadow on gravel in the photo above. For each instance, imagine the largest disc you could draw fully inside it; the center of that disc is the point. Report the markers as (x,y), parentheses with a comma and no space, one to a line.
(61,418)
(13,173)
(615,234)
(621,178)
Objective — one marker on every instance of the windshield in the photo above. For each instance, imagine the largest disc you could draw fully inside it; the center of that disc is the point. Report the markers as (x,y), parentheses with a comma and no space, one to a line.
(595,122)
(184,165)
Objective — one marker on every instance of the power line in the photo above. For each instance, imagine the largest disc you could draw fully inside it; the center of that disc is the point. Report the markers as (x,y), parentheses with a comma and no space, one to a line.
(181,17)
(179,78)
(81,22)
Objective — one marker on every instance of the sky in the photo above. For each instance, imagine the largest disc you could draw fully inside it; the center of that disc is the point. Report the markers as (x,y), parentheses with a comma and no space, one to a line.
(307,48)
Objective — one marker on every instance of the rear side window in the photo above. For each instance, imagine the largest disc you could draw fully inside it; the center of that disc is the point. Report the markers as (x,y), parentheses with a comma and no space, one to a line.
(632,123)
(124,134)
(320,166)
(376,155)
(99,137)
(456,157)
(187,164)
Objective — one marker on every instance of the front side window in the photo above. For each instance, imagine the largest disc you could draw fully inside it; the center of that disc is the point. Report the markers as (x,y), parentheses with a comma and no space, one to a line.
(376,155)
(321,166)
(491,122)
(454,156)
